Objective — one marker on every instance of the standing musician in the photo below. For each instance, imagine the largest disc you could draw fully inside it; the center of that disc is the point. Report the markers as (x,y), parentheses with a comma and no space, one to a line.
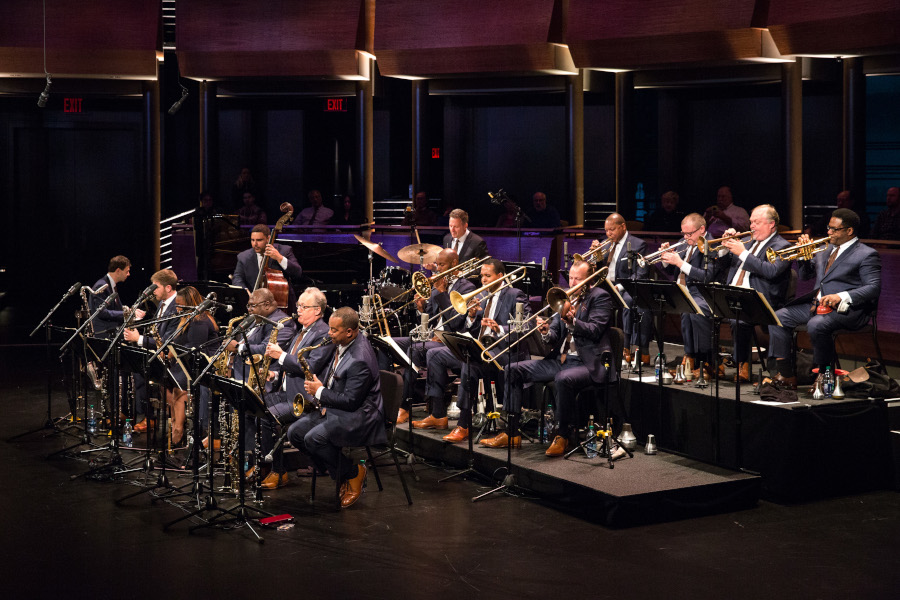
(750,269)
(695,329)
(280,401)
(352,408)
(110,318)
(467,244)
(848,284)
(620,268)
(488,317)
(579,336)
(164,293)
(246,272)
(437,303)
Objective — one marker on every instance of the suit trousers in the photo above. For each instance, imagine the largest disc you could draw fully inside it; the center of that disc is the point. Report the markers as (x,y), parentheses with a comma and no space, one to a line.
(308,434)
(569,377)
(282,410)
(819,327)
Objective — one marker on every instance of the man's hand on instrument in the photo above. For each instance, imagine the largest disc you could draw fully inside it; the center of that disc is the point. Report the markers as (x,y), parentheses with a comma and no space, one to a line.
(672,258)
(431,267)
(312,386)
(139,314)
(271,375)
(473,310)
(734,245)
(729,232)
(568,313)
(803,239)
(442,285)
(131,335)
(232,346)
(595,244)
(273,253)
(831,300)
(420,303)
(491,324)
(543,325)
(273,351)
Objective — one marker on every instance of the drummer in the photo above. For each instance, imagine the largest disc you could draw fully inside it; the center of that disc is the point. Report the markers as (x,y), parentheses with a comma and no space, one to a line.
(465,243)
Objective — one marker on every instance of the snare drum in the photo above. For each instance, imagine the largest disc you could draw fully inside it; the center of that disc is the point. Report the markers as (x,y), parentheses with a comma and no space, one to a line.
(393,281)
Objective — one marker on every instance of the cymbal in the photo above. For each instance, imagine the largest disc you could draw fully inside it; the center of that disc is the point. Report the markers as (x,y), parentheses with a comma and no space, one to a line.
(410,254)
(375,247)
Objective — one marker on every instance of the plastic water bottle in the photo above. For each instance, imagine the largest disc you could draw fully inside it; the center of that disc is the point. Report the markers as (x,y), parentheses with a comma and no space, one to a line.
(591,446)
(658,366)
(92,421)
(549,417)
(828,382)
(128,434)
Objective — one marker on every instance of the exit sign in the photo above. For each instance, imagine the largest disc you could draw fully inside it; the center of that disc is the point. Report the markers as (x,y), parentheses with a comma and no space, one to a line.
(72,105)
(336,105)
(435,153)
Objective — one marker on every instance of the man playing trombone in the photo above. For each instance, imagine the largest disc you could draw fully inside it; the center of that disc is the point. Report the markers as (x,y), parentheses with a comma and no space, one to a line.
(578,334)
(848,283)
(488,317)
(750,269)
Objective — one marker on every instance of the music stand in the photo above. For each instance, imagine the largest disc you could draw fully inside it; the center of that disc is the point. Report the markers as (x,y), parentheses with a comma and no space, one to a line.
(387,345)
(739,304)
(244,400)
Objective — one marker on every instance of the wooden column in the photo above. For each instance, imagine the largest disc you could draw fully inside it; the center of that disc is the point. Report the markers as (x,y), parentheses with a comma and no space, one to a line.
(575,144)
(365,148)
(792,111)
(854,130)
(419,123)
(209,135)
(153,161)
(624,108)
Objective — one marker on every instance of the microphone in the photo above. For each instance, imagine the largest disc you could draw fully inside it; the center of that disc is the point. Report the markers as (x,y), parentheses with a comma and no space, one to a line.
(98,291)
(73,290)
(630,256)
(275,324)
(177,106)
(110,298)
(45,95)
(207,302)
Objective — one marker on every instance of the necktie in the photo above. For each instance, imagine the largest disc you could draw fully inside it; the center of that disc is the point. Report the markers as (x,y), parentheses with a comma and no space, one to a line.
(337,357)
(486,315)
(456,245)
(297,341)
(743,270)
(687,259)
(831,259)
(565,349)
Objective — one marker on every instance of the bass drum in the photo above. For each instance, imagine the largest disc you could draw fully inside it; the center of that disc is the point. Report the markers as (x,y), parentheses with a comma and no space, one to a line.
(393,281)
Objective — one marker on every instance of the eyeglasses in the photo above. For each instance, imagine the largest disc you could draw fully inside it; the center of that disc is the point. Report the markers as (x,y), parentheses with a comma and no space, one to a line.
(302,307)
(836,228)
(689,233)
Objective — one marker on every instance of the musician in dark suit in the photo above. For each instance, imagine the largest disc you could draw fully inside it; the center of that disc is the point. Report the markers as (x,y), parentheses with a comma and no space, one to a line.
(352,409)
(261,303)
(282,257)
(616,257)
(467,244)
(579,336)
(110,318)
(164,293)
(280,401)
(696,330)
(487,317)
(848,284)
(751,269)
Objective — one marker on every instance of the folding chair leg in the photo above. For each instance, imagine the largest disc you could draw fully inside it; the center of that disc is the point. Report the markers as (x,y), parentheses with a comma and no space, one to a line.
(400,473)
(371,462)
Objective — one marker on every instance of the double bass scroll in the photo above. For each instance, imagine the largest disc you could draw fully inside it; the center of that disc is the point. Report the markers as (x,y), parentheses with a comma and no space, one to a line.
(271,278)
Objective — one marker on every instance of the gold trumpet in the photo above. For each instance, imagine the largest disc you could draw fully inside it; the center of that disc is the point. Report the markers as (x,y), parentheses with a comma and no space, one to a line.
(557,300)
(655,257)
(422,284)
(461,301)
(589,255)
(799,251)
(704,245)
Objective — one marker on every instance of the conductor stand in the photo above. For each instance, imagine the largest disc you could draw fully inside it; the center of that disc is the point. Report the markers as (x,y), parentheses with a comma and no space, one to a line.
(738,304)
(245,401)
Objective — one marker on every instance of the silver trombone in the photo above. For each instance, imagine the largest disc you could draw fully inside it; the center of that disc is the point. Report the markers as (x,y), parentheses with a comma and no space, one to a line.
(652,259)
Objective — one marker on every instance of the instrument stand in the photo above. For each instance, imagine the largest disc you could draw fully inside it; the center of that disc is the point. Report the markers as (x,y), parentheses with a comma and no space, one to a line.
(85,439)
(244,400)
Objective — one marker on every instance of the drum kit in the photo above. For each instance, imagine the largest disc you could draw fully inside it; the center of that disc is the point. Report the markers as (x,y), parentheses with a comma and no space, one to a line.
(395,282)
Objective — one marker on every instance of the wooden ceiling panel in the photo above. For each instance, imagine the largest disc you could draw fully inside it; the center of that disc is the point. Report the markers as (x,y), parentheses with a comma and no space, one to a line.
(835,27)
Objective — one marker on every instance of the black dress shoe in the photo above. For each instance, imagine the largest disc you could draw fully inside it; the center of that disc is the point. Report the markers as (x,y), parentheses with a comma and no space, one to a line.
(788,383)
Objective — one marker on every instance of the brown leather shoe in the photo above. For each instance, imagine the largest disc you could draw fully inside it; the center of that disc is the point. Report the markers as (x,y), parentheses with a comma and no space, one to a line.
(789,383)
(248,475)
(354,488)
(431,422)
(217,444)
(626,355)
(142,426)
(743,372)
(457,435)
(402,416)
(558,447)
(274,481)
(501,441)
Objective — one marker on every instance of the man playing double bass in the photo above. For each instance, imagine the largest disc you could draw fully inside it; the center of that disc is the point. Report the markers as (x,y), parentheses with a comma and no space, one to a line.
(246,272)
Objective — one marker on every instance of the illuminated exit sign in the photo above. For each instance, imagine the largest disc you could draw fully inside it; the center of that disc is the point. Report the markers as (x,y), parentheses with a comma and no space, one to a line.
(72,105)
(336,105)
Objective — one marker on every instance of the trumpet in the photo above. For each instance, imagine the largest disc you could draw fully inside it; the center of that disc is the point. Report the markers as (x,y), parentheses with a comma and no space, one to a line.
(590,254)
(799,251)
(557,300)
(422,284)
(704,245)
(652,259)
(461,301)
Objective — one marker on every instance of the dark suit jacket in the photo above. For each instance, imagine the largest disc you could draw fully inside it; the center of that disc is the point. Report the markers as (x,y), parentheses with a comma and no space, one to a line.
(474,246)
(166,328)
(111,317)
(770,279)
(714,271)
(856,271)
(318,360)
(506,305)
(591,332)
(247,270)
(622,269)
(439,301)
(259,339)
(354,404)
(197,333)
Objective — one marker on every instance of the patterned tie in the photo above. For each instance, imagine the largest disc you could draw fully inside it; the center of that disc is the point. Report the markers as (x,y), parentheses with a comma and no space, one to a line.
(831,258)
(743,270)
(337,357)
(296,344)
(565,349)
(690,253)
(456,245)
(486,315)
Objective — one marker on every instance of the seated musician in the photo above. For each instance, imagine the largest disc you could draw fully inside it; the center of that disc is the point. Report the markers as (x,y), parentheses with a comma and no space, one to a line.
(848,284)
(246,272)
(280,401)
(615,256)
(488,318)
(750,269)
(110,318)
(696,330)
(467,244)
(437,304)
(579,336)
(164,293)
(352,411)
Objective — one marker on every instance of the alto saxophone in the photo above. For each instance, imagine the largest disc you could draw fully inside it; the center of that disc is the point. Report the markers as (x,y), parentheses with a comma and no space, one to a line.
(301,404)
(264,360)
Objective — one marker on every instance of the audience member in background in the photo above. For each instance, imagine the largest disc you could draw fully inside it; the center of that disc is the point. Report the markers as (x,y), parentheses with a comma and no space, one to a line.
(420,215)
(542,215)
(348,213)
(819,229)
(724,214)
(244,183)
(250,213)
(511,217)
(667,217)
(315,213)
(887,225)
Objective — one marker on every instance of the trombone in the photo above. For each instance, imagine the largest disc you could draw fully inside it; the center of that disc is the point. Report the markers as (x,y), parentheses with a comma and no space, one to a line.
(704,245)
(590,254)
(557,299)
(655,257)
(461,301)
(799,251)
(422,284)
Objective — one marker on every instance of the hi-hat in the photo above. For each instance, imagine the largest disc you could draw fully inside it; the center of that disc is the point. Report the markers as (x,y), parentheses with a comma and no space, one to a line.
(374,247)
(411,254)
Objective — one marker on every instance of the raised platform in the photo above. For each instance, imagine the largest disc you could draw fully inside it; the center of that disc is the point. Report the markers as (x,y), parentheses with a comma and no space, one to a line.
(643,489)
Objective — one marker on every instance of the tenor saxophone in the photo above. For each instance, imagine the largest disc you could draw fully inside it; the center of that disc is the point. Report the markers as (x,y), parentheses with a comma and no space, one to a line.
(264,360)
(301,404)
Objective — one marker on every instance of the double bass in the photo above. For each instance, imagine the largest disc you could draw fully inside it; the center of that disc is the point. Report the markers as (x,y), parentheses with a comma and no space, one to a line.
(272,278)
